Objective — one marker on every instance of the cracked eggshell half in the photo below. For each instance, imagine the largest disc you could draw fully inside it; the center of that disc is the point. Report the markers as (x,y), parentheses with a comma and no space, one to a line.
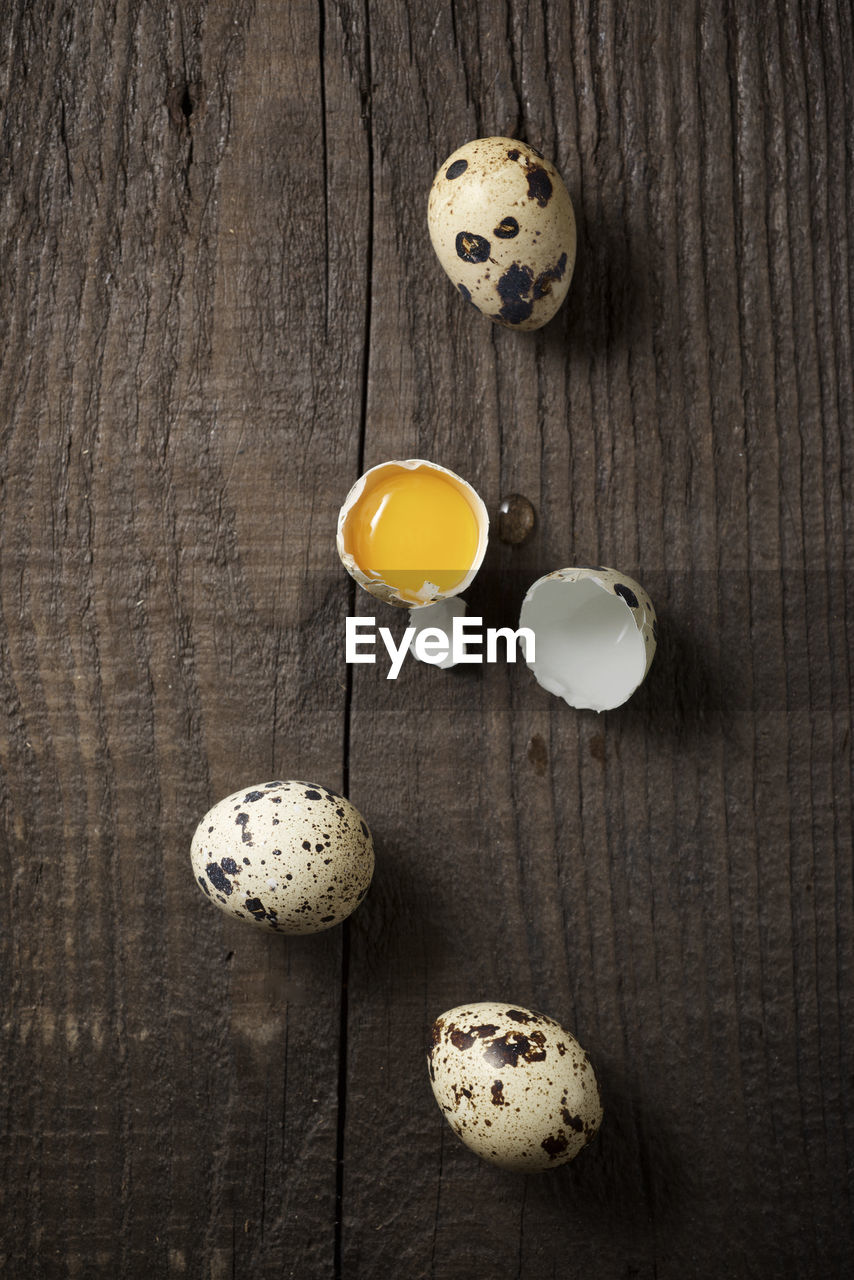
(595,635)
(418,527)
(514,1085)
(290,856)
(503,228)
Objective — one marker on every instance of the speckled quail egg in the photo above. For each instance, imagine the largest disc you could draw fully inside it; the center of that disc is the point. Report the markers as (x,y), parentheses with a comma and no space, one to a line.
(514,1085)
(502,225)
(595,635)
(290,856)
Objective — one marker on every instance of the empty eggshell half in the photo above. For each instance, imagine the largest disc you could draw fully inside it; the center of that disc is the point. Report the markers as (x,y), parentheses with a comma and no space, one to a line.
(595,633)
(422,575)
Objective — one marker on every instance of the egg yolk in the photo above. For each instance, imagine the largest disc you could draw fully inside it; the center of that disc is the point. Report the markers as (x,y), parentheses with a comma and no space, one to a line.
(412,527)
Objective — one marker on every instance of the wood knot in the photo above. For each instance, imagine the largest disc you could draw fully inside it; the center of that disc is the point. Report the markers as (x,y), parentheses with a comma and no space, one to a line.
(181,102)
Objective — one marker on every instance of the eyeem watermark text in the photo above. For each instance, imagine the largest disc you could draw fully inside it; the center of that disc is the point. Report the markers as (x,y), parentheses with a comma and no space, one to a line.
(467,643)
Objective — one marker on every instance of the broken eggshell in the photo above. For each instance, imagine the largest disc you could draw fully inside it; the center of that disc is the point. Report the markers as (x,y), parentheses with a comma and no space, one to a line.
(595,632)
(429,593)
(514,1085)
(502,225)
(438,618)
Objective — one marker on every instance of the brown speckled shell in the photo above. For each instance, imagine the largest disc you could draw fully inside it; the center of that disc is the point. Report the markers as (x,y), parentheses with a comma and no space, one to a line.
(639,607)
(290,856)
(515,1086)
(503,228)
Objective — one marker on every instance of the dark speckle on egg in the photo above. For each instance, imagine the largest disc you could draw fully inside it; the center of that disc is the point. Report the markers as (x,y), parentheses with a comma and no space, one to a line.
(555,1146)
(472,247)
(539,185)
(506,229)
(513,288)
(218,878)
(545,280)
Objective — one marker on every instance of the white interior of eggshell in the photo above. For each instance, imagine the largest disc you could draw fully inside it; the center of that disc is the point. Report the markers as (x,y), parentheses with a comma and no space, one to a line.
(440,617)
(589,650)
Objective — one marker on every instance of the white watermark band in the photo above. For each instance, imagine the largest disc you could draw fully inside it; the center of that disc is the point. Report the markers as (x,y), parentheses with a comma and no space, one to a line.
(467,643)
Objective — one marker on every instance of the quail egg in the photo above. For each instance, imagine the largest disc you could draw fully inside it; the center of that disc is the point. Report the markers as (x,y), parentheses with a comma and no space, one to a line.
(290,856)
(502,225)
(514,1085)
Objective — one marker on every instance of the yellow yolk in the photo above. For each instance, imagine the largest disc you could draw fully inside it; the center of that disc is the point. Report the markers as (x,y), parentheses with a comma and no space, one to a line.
(412,527)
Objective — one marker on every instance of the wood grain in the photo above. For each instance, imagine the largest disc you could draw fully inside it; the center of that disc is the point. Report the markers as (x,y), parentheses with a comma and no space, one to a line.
(218,305)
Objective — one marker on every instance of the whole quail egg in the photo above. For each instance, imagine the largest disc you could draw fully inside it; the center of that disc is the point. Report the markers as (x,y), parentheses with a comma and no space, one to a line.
(290,856)
(502,225)
(514,1085)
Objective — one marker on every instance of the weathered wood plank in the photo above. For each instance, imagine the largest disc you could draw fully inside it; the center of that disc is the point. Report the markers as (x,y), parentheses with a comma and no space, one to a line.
(649,876)
(182,379)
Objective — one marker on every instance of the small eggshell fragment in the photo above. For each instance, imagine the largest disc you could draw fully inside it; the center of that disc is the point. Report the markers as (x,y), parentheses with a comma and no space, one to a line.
(514,1085)
(439,619)
(595,635)
(502,225)
(290,856)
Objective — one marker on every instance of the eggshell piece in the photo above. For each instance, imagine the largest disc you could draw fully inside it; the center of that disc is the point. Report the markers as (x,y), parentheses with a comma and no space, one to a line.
(503,228)
(294,857)
(438,618)
(429,593)
(514,1085)
(596,634)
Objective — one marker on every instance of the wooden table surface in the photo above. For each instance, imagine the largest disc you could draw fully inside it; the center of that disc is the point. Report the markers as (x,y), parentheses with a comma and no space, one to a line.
(218,306)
